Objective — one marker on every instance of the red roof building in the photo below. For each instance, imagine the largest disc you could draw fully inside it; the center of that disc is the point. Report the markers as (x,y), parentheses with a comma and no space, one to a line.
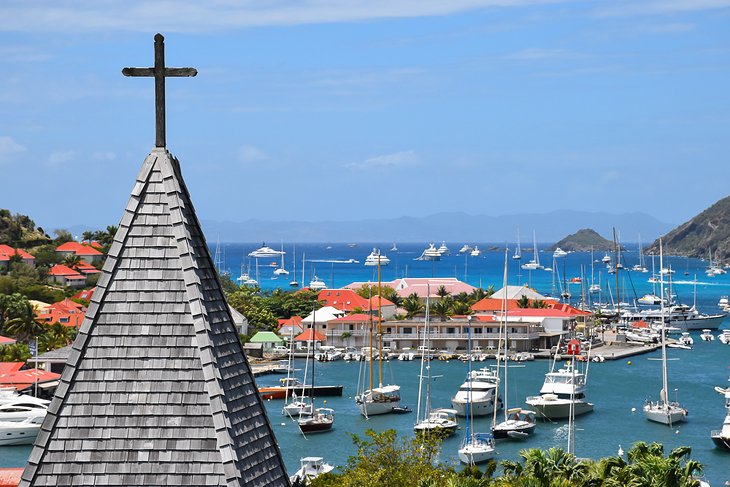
(7,252)
(66,312)
(6,341)
(10,477)
(290,326)
(87,253)
(310,334)
(86,294)
(492,305)
(66,276)
(348,301)
(12,377)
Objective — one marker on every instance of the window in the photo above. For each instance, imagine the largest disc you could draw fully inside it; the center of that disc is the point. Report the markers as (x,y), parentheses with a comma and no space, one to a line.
(352,327)
(388,330)
(408,330)
(450,330)
(477,331)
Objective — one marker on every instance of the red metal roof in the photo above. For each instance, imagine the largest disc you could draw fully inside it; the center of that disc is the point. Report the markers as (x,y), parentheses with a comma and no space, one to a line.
(10,477)
(6,340)
(492,304)
(78,249)
(20,379)
(62,270)
(86,294)
(308,334)
(6,252)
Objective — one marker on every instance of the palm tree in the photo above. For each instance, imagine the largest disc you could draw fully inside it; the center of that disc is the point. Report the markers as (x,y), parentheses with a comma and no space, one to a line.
(442,292)
(523,302)
(25,324)
(539,304)
(72,261)
(461,308)
(87,236)
(442,308)
(477,295)
(412,306)
(462,297)
(490,290)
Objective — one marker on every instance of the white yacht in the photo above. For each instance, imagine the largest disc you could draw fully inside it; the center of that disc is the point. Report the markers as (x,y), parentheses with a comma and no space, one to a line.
(707,335)
(441,420)
(22,408)
(559,253)
(559,391)
(311,468)
(724,337)
(723,304)
(681,316)
(721,438)
(379,400)
(465,249)
(431,253)
(443,249)
(482,384)
(476,252)
(375,256)
(265,251)
(477,448)
(534,263)
(606,259)
(316,284)
(650,299)
(20,432)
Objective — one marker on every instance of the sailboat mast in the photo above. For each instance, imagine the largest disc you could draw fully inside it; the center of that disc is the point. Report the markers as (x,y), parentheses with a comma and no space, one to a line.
(616,256)
(506,340)
(370,297)
(665,390)
(468,396)
(380,330)
(424,356)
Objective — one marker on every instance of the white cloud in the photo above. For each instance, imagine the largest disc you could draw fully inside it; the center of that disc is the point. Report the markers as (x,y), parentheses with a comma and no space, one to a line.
(541,54)
(103,156)
(397,159)
(195,16)
(60,157)
(250,153)
(653,7)
(9,149)
(22,54)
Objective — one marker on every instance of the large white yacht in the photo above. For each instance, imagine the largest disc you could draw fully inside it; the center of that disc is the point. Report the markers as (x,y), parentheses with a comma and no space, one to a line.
(559,391)
(443,249)
(559,253)
(375,256)
(20,432)
(316,284)
(476,252)
(721,437)
(482,384)
(22,408)
(265,251)
(680,316)
(465,249)
(431,253)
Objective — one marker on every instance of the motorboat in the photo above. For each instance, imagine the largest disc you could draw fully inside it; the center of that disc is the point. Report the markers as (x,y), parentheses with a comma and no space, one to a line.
(559,253)
(466,248)
(22,408)
(310,468)
(378,400)
(682,316)
(375,257)
(475,251)
(320,422)
(724,337)
(686,339)
(10,395)
(290,386)
(723,304)
(264,251)
(479,391)
(721,437)
(606,259)
(707,335)
(649,299)
(477,448)
(520,424)
(431,253)
(561,389)
(439,420)
(316,284)
(443,249)
(20,432)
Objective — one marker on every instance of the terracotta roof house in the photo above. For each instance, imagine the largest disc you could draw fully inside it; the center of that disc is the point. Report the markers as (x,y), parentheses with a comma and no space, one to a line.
(66,276)
(348,301)
(7,253)
(290,326)
(66,312)
(87,253)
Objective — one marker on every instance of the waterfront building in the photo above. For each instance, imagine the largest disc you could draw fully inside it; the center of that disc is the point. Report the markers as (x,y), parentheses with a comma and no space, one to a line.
(420,286)
(348,300)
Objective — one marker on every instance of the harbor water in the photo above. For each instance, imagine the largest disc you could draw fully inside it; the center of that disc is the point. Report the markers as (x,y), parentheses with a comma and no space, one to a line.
(617,388)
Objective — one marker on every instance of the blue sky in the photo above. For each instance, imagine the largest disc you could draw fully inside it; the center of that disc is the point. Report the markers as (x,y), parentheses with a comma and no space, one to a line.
(314,110)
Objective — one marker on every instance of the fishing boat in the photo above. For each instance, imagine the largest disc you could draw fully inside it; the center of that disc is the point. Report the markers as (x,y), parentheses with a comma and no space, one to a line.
(310,468)
(265,251)
(376,258)
(721,437)
(20,432)
(517,423)
(385,398)
(664,411)
(562,392)
(322,419)
(724,337)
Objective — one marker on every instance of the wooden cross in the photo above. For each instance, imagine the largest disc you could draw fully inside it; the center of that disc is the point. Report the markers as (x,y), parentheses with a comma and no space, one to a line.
(160,72)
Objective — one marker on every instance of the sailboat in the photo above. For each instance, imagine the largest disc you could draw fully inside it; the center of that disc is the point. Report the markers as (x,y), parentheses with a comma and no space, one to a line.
(518,250)
(518,423)
(321,419)
(595,288)
(442,420)
(299,405)
(281,271)
(641,266)
(663,411)
(535,261)
(384,398)
(475,447)
(294,282)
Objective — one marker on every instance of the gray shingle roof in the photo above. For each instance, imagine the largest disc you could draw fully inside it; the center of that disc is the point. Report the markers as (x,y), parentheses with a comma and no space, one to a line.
(157,390)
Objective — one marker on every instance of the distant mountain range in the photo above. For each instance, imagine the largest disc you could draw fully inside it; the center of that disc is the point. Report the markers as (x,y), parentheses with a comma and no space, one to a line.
(452,227)
(708,231)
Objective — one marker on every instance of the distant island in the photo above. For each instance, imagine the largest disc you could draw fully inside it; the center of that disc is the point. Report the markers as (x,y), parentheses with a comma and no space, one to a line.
(707,232)
(584,240)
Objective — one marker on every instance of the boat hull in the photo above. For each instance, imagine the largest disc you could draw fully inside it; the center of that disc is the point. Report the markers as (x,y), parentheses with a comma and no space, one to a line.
(476,408)
(17,434)
(519,430)
(315,427)
(376,408)
(672,415)
(279,392)
(559,409)
(424,428)
(720,441)
(475,454)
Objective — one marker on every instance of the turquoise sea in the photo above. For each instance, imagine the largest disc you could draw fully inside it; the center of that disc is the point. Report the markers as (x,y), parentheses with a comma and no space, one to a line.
(614,387)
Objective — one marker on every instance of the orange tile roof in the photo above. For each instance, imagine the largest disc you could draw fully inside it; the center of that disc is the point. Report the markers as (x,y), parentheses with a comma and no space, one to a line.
(10,477)
(308,334)
(6,252)
(78,249)
(20,379)
(342,299)
(86,294)
(493,304)
(66,312)
(62,270)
